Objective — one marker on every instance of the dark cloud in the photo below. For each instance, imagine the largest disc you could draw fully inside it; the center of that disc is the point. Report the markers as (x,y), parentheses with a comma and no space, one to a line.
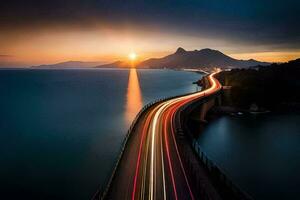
(266,22)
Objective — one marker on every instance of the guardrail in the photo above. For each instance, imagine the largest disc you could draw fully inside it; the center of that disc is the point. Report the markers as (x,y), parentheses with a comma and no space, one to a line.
(217,174)
(224,184)
(102,191)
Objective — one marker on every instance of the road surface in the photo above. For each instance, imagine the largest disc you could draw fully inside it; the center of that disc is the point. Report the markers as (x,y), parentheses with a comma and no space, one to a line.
(151,166)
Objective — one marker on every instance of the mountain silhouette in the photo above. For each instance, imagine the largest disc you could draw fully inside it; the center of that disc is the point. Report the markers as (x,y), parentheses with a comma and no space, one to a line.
(204,58)
(68,64)
(117,64)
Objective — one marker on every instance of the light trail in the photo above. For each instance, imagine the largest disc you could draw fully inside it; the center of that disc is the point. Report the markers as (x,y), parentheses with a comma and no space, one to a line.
(178,155)
(169,161)
(153,133)
(163,171)
(145,128)
(156,167)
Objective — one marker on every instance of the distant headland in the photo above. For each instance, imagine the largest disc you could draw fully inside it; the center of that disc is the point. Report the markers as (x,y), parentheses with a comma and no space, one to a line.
(197,59)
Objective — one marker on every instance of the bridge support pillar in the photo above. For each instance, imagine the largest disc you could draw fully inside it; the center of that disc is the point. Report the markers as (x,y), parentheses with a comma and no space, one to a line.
(206,107)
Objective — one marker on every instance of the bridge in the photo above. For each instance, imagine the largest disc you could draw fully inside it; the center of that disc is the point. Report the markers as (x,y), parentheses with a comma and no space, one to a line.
(159,161)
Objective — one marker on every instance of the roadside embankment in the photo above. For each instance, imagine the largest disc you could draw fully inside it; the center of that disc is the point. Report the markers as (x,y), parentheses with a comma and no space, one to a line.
(204,168)
(262,88)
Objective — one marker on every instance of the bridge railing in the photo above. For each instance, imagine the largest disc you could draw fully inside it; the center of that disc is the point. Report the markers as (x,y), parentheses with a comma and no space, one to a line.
(103,190)
(227,187)
(218,174)
(212,168)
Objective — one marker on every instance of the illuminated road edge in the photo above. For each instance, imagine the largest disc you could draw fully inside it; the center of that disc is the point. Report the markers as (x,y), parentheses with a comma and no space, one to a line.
(150,166)
(150,174)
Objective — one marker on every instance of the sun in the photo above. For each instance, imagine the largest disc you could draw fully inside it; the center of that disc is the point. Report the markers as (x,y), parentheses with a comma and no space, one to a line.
(132,56)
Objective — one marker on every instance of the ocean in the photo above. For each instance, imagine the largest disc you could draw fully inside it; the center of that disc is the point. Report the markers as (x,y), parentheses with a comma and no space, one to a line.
(61,129)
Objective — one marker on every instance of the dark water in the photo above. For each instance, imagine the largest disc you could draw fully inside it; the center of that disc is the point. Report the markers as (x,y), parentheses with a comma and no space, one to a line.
(61,130)
(260,154)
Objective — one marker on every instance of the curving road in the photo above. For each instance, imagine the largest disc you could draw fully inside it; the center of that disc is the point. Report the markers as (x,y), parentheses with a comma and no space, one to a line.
(151,166)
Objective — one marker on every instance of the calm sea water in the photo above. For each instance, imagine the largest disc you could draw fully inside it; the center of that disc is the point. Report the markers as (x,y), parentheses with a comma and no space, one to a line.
(61,130)
(261,154)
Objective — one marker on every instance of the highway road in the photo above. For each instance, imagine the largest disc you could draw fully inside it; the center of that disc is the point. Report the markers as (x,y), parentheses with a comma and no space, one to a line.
(152,166)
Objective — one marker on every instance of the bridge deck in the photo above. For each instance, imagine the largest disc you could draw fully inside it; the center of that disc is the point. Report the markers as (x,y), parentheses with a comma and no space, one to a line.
(154,163)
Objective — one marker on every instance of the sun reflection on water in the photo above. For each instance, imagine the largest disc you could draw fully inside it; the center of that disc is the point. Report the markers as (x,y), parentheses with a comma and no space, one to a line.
(134,96)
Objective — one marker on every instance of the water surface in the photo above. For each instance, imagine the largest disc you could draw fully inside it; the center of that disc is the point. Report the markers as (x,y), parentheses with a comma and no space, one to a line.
(261,154)
(61,130)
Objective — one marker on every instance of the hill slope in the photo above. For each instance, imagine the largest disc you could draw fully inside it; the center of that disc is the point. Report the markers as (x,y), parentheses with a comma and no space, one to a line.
(117,64)
(69,64)
(205,58)
(273,87)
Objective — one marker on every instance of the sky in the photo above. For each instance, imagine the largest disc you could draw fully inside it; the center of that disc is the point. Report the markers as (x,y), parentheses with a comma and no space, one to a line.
(34,32)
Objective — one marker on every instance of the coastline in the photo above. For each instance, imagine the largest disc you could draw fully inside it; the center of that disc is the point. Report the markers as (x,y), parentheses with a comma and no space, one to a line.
(230,110)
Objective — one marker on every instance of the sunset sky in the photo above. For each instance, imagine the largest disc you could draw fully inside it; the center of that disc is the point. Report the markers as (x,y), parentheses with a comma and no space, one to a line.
(36,32)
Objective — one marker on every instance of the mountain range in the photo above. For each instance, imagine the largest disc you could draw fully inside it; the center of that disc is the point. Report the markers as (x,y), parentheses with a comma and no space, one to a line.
(69,64)
(204,59)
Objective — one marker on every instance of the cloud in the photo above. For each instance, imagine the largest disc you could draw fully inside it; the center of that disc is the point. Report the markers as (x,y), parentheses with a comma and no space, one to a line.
(258,22)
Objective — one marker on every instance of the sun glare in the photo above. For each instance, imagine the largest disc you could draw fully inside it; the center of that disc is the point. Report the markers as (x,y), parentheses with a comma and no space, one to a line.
(132,56)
